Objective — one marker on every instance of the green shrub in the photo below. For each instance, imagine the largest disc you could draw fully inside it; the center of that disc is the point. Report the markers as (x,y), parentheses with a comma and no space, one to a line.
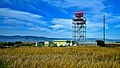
(11,44)
(54,45)
(117,42)
(18,42)
(17,45)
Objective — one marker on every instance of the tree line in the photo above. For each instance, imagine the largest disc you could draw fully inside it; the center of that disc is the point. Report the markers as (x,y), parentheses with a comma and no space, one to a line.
(15,44)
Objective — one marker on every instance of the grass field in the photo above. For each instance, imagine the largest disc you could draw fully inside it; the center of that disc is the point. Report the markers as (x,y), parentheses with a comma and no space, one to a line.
(61,57)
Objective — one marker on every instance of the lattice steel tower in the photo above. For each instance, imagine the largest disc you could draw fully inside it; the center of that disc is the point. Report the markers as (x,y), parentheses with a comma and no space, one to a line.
(79,29)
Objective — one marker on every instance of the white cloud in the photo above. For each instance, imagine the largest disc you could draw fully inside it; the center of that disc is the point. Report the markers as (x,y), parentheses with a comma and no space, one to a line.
(20,19)
(65,23)
(94,12)
(56,27)
(14,22)
(94,25)
(94,35)
(50,33)
(113,19)
(117,26)
(93,28)
(95,6)
(60,34)
(62,31)
(8,12)
(39,29)
(17,19)
(18,23)
(20,15)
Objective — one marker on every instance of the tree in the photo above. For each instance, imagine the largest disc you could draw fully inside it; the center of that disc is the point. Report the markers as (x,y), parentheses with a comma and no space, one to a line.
(18,42)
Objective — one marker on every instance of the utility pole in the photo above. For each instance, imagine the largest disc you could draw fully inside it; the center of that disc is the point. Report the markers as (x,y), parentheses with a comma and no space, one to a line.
(104,27)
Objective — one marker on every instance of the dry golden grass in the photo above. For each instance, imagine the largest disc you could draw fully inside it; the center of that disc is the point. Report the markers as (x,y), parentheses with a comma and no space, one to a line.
(112,44)
(62,57)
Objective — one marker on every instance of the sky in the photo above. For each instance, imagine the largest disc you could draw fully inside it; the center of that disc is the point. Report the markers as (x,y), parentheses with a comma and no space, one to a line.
(53,18)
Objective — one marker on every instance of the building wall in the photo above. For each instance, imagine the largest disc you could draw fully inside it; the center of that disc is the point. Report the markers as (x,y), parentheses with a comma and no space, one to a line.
(63,43)
(60,43)
(55,43)
(71,44)
(46,43)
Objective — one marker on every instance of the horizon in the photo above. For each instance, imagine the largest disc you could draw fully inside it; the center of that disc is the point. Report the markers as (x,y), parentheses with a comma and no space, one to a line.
(53,19)
(61,37)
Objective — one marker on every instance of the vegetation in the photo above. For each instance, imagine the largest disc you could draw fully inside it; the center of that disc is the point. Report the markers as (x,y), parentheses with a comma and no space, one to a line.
(15,44)
(6,44)
(3,63)
(112,44)
(62,57)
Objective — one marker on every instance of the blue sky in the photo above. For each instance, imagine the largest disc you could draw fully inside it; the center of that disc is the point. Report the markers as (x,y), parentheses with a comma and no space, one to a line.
(53,18)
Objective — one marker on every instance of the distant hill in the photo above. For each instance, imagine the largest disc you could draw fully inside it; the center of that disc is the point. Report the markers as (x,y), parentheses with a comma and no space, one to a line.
(37,39)
(107,40)
(23,38)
